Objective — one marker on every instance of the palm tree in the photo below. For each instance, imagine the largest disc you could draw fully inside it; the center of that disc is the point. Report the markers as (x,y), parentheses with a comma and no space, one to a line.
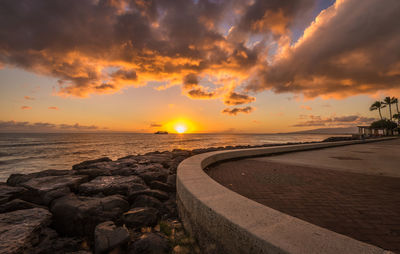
(377,105)
(388,101)
(396,101)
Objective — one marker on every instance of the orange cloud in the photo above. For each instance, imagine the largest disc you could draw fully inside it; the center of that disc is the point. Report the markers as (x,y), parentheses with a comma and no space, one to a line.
(29,98)
(25,107)
(53,108)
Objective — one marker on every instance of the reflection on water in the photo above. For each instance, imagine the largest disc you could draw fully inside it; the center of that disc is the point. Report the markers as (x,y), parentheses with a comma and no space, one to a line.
(25,153)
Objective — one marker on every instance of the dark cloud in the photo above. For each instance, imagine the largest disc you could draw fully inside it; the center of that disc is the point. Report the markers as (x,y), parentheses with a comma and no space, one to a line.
(236,111)
(233,98)
(200,93)
(351,48)
(336,121)
(190,81)
(10,126)
(100,46)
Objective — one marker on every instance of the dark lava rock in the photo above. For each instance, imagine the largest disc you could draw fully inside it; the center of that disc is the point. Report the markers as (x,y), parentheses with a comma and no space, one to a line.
(52,243)
(147,201)
(93,172)
(150,243)
(8,193)
(17,179)
(20,230)
(109,185)
(140,217)
(89,163)
(162,186)
(43,190)
(107,236)
(78,216)
(152,193)
(171,179)
(17,204)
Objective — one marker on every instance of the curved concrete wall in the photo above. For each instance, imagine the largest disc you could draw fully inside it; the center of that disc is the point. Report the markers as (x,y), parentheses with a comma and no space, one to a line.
(225,222)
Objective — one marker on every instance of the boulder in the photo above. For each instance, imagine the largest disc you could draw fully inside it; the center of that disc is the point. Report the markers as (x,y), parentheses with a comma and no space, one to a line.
(140,217)
(107,236)
(147,201)
(20,230)
(8,193)
(90,163)
(93,172)
(78,216)
(43,190)
(162,186)
(17,179)
(17,204)
(110,185)
(152,193)
(52,243)
(150,243)
(171,180)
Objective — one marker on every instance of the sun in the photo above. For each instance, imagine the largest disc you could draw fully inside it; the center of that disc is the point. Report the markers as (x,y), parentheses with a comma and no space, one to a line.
(180,128)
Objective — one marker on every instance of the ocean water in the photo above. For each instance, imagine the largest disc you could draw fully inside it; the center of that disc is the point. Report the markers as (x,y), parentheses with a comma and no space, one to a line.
(32,152)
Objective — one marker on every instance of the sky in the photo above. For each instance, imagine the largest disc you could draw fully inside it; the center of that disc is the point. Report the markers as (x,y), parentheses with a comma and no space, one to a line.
(241,66)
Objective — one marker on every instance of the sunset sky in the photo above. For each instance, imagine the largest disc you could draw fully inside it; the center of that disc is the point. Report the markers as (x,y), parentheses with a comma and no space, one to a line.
(246,66)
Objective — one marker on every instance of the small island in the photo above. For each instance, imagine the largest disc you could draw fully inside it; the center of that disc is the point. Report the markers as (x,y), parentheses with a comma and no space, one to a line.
(161,132)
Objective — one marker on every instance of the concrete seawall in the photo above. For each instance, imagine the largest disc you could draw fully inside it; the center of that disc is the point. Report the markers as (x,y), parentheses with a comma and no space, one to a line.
(225,222)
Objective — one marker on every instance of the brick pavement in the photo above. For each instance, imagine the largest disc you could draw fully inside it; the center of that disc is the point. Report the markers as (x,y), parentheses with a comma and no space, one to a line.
(364,207)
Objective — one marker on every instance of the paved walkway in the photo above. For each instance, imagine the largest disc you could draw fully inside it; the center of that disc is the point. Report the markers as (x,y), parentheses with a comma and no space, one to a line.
(363,205)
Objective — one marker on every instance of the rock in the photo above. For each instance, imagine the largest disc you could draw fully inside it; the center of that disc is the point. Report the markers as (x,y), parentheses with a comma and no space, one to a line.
(17,179)
(107,236)
(8,193)
(89,163)
(20,230)
(163,159)
(140,217)
(147,201)
(43,190)
(52,243)
(181,250)
(150,243)
(93,172)
(162,186)
(109,185)
(170,205)
(152,193)
(17,204)
(171,179)
(78,216)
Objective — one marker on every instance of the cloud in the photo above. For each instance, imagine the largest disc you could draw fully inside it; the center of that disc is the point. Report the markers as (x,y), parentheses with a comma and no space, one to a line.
(102,46)
(236,111)
(29,98)
(350,48)
(334,121)
(156,125)
(233,98)
(25,107)
(42,127)
(53,108)
(305,107)
(201,93)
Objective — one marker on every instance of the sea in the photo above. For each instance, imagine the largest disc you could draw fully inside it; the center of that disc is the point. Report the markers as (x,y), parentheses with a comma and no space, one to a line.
(32,152)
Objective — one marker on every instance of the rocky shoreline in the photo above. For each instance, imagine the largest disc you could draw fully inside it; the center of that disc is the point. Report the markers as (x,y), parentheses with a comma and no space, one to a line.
(100,206)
